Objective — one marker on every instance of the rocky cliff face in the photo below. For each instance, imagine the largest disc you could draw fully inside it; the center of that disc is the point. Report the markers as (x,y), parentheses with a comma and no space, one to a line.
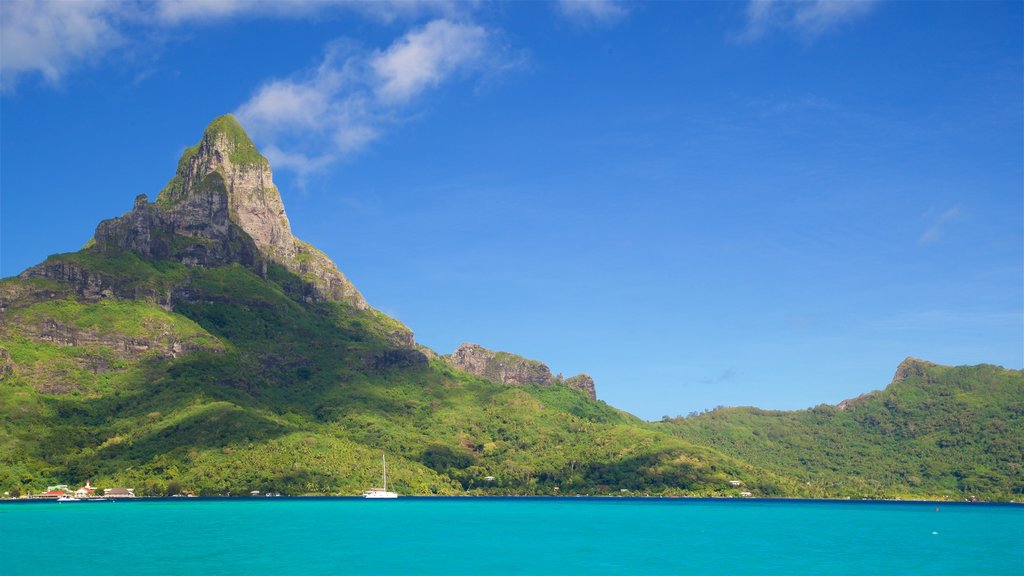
(101,345)
(501,367)
(89,285)
(196,231)
(227,165)
(910,367)
(512,369)
(582,382)
(160,341)
(221,207)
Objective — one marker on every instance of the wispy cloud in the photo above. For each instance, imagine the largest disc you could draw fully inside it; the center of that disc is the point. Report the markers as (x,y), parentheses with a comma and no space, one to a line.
(938,222)
(593,12)
(51,37)
(305,121)
(424,58)
(177,11)
(809,18)
(196,11)
(55,37)
(322,115)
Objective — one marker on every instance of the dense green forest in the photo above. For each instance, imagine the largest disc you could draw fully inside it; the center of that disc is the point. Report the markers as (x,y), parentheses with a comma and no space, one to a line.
(194,345)
(300,398)
(936,431)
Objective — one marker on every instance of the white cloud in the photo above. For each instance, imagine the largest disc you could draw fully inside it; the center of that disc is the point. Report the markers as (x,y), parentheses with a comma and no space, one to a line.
(938,225)
(178,11)
(425,57)
(823,15)
(51,37)
(296,162)
(810,18)
(591,12)
(322,115)
(304,122)
(286,103)
(54,37)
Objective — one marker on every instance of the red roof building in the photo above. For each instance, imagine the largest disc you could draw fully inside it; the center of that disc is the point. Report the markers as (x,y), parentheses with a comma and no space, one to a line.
(52,494)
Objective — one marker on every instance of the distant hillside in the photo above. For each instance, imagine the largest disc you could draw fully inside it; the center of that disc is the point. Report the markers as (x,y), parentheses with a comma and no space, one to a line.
(196,345)
(934,431)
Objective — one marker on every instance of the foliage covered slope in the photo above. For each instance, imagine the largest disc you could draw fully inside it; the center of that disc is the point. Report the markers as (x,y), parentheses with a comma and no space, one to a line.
(277,393)
(936,431)
(196,345)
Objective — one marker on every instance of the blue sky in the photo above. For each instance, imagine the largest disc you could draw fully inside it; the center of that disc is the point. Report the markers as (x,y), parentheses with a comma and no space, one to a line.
(699,204)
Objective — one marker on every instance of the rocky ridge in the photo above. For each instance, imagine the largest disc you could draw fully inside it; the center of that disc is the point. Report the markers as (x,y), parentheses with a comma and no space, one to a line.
(161,341)
(911,367)
(512,369)
(907,368)
(221,208)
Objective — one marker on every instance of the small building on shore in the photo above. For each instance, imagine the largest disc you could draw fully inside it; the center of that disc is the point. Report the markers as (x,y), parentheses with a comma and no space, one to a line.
(51,494)
(119,492)
(87,491)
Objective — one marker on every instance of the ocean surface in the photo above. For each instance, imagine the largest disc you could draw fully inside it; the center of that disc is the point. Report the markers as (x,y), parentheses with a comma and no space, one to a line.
(455,536)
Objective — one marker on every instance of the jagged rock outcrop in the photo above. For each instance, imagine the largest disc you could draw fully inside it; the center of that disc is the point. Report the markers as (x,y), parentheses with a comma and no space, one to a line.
(195,231)
(98,350)
(582,382)
(88,285)
(158,341)
(911,367)
(220,207)
(512,369)
(501,367)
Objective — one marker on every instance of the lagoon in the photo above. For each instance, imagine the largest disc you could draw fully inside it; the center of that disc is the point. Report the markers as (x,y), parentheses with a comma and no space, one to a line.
(315,536)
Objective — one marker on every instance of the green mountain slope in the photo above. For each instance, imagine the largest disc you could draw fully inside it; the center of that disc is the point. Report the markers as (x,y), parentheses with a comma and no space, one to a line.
(934,431)
(194,344)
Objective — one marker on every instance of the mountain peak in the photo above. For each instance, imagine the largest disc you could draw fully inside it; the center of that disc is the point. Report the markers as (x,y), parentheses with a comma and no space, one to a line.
(910,367)
(226,136)
(220,207)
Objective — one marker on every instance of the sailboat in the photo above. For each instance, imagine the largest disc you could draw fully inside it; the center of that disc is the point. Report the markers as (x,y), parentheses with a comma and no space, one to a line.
(381,492)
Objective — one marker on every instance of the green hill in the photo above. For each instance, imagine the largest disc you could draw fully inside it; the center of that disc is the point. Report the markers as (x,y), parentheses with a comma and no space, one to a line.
(195,345)
(935,431)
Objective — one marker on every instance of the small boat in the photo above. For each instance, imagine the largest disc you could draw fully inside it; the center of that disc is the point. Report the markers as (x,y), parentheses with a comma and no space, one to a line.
(381,492)
(68,499)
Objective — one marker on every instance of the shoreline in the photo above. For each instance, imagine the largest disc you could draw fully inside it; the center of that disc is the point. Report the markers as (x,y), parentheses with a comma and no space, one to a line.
(313,497)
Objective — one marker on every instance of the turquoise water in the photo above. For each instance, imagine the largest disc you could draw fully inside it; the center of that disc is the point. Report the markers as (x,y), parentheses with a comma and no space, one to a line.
(283,536)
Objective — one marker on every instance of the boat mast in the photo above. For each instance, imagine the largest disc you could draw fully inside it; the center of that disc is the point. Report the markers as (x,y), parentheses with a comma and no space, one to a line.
(385,462)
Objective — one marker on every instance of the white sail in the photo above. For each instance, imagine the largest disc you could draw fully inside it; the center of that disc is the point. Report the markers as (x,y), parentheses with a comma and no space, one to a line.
(381,492)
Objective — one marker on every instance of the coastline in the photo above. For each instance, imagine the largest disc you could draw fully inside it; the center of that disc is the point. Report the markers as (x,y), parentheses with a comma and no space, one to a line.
(533,497)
